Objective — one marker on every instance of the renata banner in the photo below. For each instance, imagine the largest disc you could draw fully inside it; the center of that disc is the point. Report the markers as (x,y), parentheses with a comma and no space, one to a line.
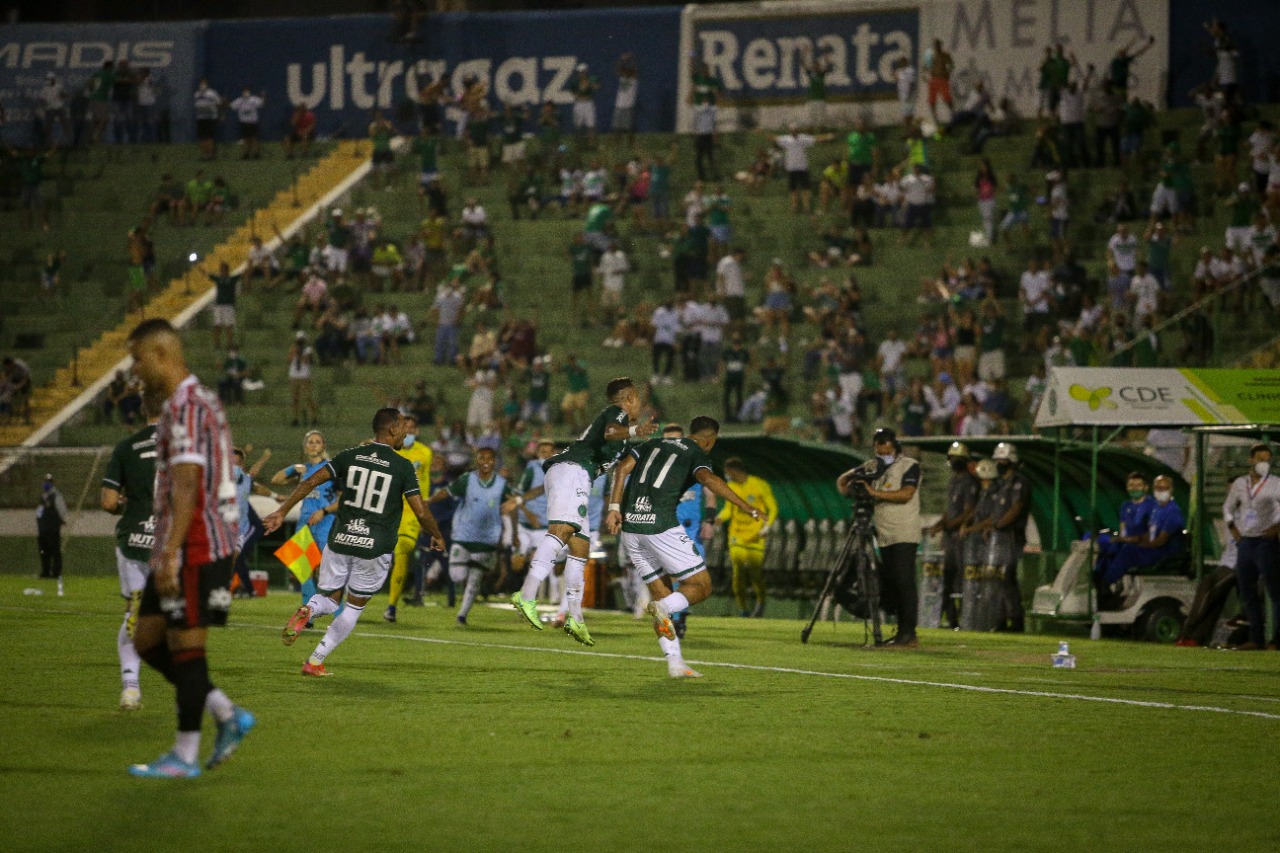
(756,50)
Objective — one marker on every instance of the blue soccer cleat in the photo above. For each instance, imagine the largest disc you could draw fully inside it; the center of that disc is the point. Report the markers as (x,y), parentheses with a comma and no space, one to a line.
(230,734)
(167,766)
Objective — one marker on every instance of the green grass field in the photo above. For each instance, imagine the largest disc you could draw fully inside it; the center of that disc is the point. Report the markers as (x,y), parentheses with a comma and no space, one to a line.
(431,737)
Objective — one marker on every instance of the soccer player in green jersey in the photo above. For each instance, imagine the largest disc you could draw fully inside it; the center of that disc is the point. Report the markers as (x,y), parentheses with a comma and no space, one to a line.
(372,479)
(643,510)
(127,489)
(569,474)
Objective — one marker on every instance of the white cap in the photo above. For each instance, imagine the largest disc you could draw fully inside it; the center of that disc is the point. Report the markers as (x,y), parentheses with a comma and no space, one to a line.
(1244,187)
(1005,451)
(336,212)
(582,66)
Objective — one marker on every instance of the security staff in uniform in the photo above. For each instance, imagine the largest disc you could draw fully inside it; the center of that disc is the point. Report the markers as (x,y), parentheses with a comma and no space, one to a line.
(962,498)
(1015,506)
(897,519)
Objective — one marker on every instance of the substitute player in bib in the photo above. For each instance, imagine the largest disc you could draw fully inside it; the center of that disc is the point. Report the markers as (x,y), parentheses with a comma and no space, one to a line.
(189,586)
(419,455)
(531,520)
(372,478)
(644,508)
(127,490)
(477,525)
(747,533)
(568,487)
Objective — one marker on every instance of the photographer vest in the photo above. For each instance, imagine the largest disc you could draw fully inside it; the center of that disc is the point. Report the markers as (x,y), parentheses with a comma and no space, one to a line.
(896,523)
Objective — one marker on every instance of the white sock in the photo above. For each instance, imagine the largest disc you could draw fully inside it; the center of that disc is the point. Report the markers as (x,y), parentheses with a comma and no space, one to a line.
(187,746)
(130,662)
(670,648)
(544,558)
(321,605)
(218,705)
(469,594)
(575,578)
(338,631)
(555,591)
(676,602)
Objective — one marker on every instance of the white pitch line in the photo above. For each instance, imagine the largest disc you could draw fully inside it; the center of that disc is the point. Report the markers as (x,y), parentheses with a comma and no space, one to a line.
(785,670)
(880,679)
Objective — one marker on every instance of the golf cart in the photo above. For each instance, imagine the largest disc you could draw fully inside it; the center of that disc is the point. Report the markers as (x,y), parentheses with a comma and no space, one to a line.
(1152,605)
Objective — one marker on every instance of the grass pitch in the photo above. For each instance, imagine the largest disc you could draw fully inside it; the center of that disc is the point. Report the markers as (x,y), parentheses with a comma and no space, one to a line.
(431,737)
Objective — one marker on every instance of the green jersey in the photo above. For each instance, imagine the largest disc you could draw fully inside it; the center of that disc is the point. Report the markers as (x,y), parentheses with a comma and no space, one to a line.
(539,386)
(598,217)
(373,480)
(132,472)
(591,451)
(427,150)
(580,258)
(665,469)
(380,136)
(861,147)
(339,235)
(1243,207)
(817,84)
(706,87)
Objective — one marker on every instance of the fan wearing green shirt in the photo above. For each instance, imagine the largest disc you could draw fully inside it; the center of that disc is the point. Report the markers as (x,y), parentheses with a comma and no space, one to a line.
(99,88)
(1019,199)
(815,72)
(381,132)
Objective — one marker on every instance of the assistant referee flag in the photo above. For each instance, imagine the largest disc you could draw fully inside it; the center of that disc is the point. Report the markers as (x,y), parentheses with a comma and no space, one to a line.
(300,554)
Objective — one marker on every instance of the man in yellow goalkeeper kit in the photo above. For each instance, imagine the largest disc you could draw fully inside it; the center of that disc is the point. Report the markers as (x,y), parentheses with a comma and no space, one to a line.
(746,534)
(419,453)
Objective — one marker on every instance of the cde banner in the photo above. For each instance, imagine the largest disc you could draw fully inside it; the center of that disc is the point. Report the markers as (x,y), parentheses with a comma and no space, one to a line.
(345,67)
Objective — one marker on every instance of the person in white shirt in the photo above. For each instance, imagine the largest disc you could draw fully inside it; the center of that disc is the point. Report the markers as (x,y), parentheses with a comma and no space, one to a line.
(904,76)
(731,285)
(666,329)
(208,109)
(917,194)
(1035,296)
(593,182)
(147,94)
(1260,237)
(475,220)
(1059,211)
(691,339)
(1261,141)
(1144,294)
(888,198)
(713,321)
(891,354)
(1123,249)
(695,203)
(795,160)
(1252,513)
(52,109)
(612,269)
(1071,114)
(246,108)
(624,102)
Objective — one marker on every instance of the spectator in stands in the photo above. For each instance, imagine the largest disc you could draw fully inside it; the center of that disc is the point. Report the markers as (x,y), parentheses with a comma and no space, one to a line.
(52,112)
(302,132)
(795,159)
(577,394)
(939,64)
(666,332)
(1071,115)
(1107,108)
(99,87)
(612,269)
(1134,122)
(1019,201)
(208,111)
(1059,212)
(168,199)
(624,101)
(584,103)
(227,288)
(985,187)
(147,96)
(1122,248)
(247,108)
(301,359)
(1159,242)
(1225,74)
(260,263)
(1122,63)
(705,94)
(731,284)
(30,176)
(918,196)
(234,371)
(1035,296)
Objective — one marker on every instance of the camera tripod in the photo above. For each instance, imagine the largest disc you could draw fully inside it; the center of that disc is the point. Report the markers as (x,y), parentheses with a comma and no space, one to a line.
(854,579)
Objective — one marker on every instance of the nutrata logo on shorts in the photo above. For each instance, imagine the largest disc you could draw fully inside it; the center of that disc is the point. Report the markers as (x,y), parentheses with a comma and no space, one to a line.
(762,59)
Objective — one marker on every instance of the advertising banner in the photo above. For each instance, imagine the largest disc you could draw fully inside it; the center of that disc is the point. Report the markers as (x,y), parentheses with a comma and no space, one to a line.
(756,49)
(344,67)
(173,53)
(1102,396)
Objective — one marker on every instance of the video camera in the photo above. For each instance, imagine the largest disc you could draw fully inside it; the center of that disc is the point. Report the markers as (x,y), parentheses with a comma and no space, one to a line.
(864,475)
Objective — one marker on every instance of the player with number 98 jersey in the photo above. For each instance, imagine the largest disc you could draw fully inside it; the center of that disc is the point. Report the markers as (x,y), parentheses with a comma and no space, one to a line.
(373,479)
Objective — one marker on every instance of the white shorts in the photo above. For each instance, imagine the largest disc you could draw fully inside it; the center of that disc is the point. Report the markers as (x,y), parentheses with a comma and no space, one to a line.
(336,260)
(1238,238)
(584,114)
(1164,200)
(512,152)
(224,316)
(133,574)
(356,574)
(527,538)
(568,488)
(461,560)
(670,552)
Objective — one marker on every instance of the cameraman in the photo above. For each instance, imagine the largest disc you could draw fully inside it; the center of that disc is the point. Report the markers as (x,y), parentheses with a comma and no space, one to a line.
(895,490)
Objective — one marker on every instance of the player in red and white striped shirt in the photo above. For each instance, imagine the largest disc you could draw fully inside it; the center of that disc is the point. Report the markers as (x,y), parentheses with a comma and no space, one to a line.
(197,521)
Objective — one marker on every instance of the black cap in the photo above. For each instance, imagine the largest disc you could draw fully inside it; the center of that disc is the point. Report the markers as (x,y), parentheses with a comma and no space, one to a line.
(884,435)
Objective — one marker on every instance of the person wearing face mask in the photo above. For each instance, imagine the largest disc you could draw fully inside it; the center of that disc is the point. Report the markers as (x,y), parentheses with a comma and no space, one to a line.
(1135,518)
(1162,538)
(1252,513)
(962,498)
(51,515)
(897,519)
(419,453)
(1015,506)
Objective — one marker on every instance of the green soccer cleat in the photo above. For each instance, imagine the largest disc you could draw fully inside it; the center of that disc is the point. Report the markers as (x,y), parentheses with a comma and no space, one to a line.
(527,609)
(578,630)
